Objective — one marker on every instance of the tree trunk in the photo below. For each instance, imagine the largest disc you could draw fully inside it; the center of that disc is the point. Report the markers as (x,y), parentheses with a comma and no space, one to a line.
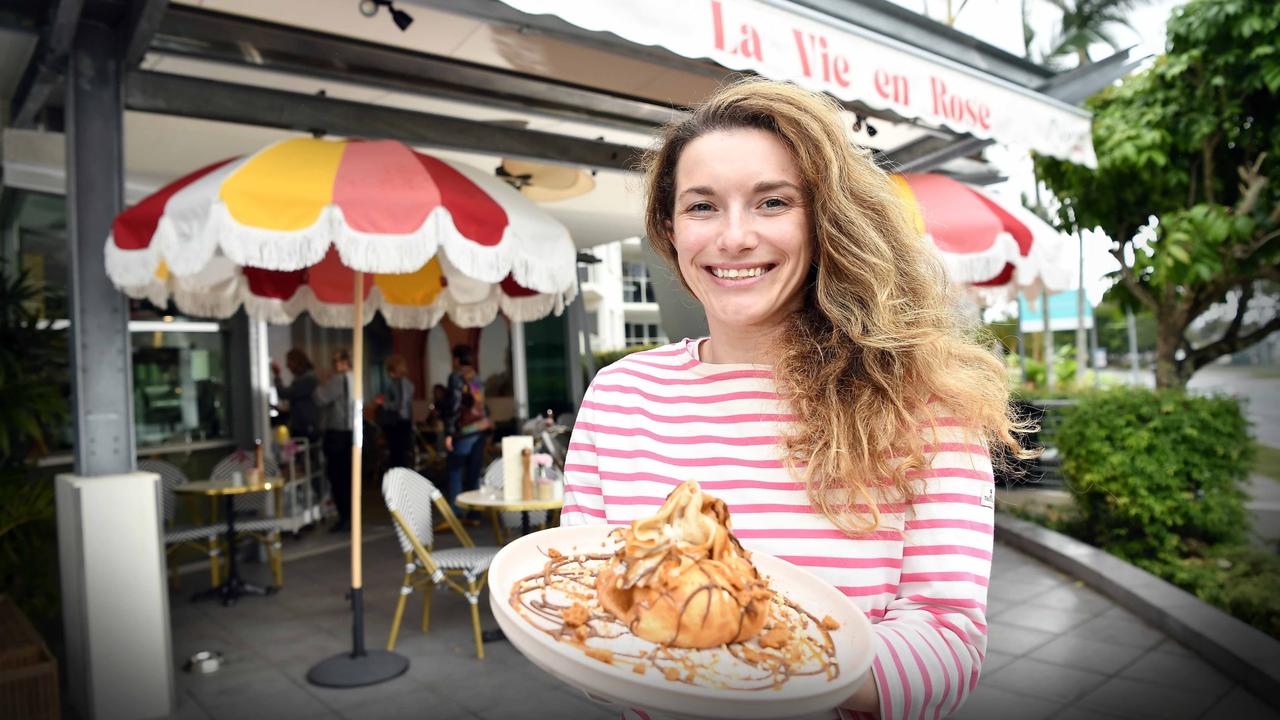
(1170,374)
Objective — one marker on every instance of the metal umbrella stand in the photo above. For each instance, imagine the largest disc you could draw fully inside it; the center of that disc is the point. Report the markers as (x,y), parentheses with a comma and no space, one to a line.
(360,666)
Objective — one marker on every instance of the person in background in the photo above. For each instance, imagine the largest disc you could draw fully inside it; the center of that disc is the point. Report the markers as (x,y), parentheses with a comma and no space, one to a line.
(466,426)
(395,416)
(434,422)
(840,407)
(304,416)
(334,401)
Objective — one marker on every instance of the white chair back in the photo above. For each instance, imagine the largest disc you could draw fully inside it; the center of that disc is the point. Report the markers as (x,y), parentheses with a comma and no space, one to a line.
(244,462)
(170,478)
(411,495)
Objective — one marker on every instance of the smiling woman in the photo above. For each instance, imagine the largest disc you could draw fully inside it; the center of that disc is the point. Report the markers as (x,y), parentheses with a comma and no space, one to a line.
(840,407)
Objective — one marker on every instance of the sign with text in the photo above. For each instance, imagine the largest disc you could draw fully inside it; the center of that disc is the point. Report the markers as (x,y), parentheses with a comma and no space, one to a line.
(785,42)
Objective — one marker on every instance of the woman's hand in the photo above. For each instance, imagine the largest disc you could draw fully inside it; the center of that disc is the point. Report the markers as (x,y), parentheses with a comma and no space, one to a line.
(448,443)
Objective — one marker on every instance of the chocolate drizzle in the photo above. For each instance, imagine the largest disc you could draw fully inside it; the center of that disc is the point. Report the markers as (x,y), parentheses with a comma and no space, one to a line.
(803,647)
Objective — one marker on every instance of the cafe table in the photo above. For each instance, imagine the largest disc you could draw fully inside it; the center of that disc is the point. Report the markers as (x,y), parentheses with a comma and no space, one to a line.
(488,500)
(233,587)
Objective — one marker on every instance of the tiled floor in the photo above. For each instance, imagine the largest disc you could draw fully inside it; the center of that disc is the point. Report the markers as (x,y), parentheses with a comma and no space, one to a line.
(1060,651)
(1057,650)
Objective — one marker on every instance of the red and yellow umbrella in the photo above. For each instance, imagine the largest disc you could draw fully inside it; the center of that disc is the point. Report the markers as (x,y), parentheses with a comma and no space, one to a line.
(282,231)
(341,230)
(992,247)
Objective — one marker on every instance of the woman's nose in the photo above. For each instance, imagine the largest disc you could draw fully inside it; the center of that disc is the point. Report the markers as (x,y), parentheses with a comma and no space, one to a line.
(737,236)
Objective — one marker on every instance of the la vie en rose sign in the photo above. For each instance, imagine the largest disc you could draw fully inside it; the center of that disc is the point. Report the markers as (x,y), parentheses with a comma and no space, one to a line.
(786,42)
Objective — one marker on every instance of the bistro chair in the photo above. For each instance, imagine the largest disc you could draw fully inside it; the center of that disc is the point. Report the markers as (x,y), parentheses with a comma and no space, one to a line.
(202,537)
(257,514)
(409,497)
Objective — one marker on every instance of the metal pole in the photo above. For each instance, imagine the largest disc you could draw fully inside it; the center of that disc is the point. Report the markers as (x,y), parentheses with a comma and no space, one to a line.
(1022,343)
(1049,381)
(574,328)
(1093,352)
(519,372)
(1082,340)
(1132,327)
(102,373)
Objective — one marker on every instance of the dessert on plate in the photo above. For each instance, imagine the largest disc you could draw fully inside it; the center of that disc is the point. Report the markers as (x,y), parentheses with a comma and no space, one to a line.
(682,579)
(677,594)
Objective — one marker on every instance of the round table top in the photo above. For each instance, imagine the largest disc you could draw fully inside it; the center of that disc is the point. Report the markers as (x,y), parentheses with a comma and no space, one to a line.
(479,499)
(226,487)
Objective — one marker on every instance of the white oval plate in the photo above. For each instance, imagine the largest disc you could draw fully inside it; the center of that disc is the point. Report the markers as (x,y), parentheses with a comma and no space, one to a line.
(799,696)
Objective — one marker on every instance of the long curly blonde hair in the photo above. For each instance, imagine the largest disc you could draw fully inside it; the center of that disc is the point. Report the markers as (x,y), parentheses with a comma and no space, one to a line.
(879,347)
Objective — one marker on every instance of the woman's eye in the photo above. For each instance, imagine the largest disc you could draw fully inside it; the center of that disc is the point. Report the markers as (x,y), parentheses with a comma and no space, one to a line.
(700,207)
(774,204)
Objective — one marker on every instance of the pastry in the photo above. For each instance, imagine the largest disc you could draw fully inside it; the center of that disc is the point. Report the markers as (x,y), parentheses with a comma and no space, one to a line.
(681,578)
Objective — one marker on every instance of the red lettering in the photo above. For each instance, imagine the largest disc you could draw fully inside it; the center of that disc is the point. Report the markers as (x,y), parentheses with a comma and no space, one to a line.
(965,111)
(804,55)
(939,97)
(892,87)
(750,46)
(841,68)
(717,21)
(814,51)
(882,84)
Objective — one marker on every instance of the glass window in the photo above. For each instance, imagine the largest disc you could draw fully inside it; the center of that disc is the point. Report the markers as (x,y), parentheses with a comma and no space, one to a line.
(180,387)
(636,285)
(644,334)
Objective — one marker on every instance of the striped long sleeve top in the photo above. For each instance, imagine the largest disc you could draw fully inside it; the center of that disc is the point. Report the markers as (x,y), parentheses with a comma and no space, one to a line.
(656,418)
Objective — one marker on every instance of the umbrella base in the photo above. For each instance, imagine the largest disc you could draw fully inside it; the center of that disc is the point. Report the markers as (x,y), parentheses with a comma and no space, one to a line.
(349,670)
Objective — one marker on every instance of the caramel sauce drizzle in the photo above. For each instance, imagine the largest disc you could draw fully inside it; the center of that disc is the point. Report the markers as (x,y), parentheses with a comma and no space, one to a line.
(807,650)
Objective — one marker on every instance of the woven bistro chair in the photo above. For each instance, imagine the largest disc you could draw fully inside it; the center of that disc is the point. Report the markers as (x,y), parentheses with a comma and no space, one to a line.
(257,514)
(409,497)
(202,537)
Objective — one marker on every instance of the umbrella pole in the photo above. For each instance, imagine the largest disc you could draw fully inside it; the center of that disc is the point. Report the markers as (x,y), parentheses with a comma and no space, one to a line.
(357,457)
(358,667)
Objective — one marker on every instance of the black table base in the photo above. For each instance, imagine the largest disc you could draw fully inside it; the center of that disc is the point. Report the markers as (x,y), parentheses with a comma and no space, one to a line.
(233,588)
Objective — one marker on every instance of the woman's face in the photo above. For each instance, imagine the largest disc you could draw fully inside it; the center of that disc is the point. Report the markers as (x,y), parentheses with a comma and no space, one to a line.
(741,228)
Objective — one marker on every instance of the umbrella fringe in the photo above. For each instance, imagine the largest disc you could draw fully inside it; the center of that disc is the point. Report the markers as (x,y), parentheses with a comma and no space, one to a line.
(980,266)
(387,253)
(265,248)
(129,268)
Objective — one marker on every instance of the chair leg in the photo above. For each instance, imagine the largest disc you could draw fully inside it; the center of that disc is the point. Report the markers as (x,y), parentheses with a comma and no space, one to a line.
(426,608)
(405,589)
(473,597)
(277,558)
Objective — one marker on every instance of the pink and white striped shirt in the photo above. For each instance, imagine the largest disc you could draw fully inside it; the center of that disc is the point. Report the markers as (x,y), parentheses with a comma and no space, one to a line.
(656,418)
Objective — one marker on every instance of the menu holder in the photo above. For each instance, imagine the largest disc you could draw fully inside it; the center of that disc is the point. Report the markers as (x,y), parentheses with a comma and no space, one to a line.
(513,449)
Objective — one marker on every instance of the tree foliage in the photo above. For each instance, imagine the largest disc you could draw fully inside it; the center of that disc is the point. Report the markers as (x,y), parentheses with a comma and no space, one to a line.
(1085,23)
(1193,142)
(33,372)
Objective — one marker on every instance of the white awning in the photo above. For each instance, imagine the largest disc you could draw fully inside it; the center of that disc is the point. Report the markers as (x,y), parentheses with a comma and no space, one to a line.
(784,41)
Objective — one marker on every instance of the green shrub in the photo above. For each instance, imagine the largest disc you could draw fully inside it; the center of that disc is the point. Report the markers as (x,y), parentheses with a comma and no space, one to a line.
(1156,474)
(1244,581)
(608,357)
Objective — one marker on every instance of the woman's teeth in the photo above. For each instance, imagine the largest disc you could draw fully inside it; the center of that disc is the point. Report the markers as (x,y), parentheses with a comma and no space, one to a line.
(737,273)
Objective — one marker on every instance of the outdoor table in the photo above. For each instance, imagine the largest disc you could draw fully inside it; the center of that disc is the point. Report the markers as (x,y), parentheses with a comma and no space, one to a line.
(483,500)
(233,587)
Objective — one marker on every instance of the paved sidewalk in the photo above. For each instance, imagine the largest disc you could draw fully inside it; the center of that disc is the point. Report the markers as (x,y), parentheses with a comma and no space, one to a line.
(1057,651)
(1061,651)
